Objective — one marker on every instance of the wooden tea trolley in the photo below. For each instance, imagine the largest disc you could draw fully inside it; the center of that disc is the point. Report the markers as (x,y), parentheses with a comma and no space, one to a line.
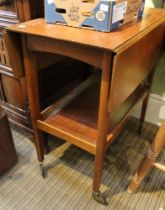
(91,115)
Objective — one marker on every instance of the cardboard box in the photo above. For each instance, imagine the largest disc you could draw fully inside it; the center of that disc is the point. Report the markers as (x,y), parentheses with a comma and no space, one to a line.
(101,15)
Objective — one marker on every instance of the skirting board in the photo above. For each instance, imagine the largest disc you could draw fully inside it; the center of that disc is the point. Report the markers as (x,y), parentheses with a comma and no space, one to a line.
(155,110)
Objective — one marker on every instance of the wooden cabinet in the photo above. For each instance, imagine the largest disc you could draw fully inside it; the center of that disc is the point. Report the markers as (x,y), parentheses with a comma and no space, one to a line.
(13,92)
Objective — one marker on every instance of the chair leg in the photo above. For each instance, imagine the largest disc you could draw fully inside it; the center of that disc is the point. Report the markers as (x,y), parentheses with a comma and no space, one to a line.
(142,171)
(149,160)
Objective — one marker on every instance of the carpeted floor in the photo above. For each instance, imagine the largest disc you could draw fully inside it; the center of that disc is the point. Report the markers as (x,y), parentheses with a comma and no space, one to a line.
(69,182)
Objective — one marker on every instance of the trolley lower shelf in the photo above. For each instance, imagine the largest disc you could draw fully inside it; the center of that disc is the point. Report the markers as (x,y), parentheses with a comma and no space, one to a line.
(76,122)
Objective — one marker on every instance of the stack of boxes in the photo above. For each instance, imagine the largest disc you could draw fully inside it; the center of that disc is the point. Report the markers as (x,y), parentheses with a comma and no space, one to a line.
(101,15)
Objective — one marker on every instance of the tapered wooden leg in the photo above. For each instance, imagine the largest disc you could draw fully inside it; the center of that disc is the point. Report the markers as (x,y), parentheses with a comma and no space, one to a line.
(46,145)
(163,3)
(143,112)
(102,129)
(33,95)
(145,102)
(149,160)
(39,143)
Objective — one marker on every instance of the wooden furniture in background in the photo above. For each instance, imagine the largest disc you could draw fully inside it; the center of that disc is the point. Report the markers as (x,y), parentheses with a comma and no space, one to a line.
(149,160)
(91,115)
(8,155)
(13,90)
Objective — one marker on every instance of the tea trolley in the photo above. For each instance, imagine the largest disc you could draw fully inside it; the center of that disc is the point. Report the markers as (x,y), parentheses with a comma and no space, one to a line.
(92,114)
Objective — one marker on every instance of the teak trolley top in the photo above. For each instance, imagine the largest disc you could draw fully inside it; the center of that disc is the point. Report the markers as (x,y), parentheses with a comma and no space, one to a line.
(92,114)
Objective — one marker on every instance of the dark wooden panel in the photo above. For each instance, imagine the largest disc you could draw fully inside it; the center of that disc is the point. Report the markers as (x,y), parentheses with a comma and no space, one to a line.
(4,57)
(8,154)
(36,8)
(14,91)
(15,54)
(56,80)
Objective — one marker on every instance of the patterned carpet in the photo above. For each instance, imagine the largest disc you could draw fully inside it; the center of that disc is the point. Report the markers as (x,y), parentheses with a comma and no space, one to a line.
(69,182)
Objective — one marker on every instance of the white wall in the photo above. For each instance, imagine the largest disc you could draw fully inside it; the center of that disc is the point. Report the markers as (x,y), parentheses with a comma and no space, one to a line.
(153,3)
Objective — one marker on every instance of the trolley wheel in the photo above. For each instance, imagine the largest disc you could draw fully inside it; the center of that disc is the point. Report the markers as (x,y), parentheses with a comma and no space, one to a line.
(43,171)
(100,198)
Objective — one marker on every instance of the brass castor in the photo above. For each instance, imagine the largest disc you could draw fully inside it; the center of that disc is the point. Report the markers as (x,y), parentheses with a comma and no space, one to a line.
(43,170)
(99,197)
